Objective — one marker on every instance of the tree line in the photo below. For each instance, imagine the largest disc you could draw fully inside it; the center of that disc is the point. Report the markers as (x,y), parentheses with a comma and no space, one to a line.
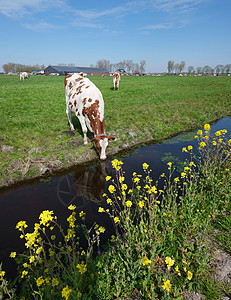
(128,65)
(11,67)
(179,67)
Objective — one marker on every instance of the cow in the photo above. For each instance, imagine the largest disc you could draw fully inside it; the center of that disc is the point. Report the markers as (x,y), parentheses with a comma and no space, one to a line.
(85,100)
(24,75)
(116,79)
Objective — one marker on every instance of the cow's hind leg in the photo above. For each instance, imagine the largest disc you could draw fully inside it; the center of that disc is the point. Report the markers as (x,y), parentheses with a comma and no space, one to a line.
(68,112)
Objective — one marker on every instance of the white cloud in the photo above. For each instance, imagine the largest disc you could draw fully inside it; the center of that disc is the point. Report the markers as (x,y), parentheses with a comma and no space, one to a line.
(20,8)
(41,26)
(157,26)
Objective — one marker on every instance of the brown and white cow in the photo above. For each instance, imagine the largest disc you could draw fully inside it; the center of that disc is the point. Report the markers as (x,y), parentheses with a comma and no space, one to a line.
(85,100)
(24,75)
(116,79)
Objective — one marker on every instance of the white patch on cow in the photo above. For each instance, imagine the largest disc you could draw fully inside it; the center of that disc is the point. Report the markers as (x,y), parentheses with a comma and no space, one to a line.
(103,143)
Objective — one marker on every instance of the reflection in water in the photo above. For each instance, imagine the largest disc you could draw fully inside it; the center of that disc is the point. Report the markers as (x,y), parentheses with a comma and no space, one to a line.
(83,187)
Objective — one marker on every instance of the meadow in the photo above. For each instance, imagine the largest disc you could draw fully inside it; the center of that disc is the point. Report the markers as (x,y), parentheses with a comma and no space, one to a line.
(33,117)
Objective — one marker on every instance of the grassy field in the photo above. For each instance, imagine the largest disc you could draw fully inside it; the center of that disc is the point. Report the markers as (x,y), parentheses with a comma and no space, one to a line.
(33,117)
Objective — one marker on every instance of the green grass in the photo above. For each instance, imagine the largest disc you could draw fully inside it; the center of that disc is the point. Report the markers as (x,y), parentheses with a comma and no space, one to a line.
(32,115)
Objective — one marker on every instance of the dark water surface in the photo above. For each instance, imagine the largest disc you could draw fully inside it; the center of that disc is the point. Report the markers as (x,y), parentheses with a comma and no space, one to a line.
(83,187)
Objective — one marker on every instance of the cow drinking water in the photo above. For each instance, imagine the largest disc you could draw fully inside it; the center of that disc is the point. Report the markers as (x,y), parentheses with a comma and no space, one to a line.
(85,100)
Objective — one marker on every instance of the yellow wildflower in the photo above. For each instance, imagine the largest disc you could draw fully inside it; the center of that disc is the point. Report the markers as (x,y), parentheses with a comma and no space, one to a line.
(12,254)
(217,133)
(145,166)
(109,201)
(169,164)
(55,282)
(170,262)
(124,187)
(153,189)
(32,259)
(2,274)
(207,127)
(79,295)
(184,149)
(128,203)
(199,132)
(108,178)
(71,220)
(121,179)
(178,271)
(66,292)
(111,189)
(189,275)
(116,164)
(71,207)
(21,225)
(46,216)
(146,261)
(82,268)
(141,204)
(24,273)
(202,144)
(40,281)
(102,229)
(81,214)
(167,285)
(101,209)
(190,147)
(116,220)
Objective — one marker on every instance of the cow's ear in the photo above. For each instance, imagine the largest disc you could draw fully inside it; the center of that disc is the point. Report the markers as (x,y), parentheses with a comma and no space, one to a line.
(110,137)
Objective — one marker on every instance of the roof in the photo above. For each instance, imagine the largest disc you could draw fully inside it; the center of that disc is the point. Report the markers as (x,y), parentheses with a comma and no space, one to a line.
(78,69)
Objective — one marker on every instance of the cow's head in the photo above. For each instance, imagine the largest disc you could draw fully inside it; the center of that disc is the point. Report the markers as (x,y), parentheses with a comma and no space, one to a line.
(101,143)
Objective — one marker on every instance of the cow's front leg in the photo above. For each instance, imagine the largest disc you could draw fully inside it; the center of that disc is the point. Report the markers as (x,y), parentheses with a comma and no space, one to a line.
(84,128)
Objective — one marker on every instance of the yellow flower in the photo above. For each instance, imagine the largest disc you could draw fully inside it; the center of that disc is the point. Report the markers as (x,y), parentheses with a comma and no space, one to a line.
(71,220)
(53,237)
(101,209)
(2,274)
(40,281)
(66,292)
(82,268)
(83,252)
(136,180)
(124,187)
(206,127)
(32,259)
(141,204)
(79,295)
(101,229)
(21,225)
(24,273)
(55,282)
(169,164)
(116,220)
(202,144)
(176,179)
(189,275)
(190,148)
(153,189)
(128,203)
(108,178)
(121,179)
(170,262)
(12,254)
(217,133)
(71,207)
(184,149)
(167,285)
(178,271)
(116,164)
(109,201)
(199,132)
(146,261)
(145,166)
(46,216)
(111,189)
(81,214)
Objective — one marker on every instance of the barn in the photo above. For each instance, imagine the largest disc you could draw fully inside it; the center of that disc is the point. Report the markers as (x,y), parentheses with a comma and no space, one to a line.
(64,70)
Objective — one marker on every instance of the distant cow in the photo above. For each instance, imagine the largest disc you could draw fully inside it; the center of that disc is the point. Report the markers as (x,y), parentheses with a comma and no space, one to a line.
(24,75)
(85,100)
(116,79)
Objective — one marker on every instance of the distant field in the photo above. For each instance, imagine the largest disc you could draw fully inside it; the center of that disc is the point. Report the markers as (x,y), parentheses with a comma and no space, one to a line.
(33,116)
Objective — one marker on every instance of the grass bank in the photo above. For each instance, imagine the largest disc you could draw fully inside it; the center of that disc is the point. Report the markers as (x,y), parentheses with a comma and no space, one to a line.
(33,118)
(164,241)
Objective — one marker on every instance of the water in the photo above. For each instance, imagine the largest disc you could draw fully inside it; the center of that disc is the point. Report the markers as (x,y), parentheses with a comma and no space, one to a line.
(83,187)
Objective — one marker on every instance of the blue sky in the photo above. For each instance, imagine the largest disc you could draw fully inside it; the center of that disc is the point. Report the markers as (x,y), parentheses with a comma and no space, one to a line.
(81,32)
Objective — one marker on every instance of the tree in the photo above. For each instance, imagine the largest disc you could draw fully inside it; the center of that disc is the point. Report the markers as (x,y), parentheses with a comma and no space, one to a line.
(142,66)
(176,68)
(103,64)
(218,68)
(181,66)
(170,66)
(199,70)
(190,70)
(227,68)
(207,69)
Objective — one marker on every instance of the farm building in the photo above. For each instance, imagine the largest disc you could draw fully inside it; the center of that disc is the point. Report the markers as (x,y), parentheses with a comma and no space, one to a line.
(64,70)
